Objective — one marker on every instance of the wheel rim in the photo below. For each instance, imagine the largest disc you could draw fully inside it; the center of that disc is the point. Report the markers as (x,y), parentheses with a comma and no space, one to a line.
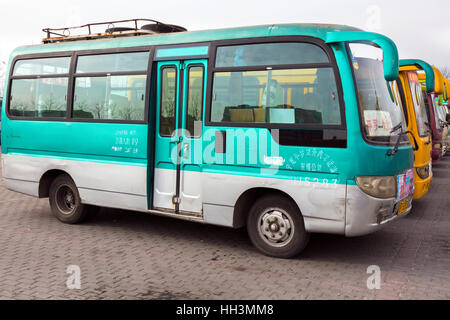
(65,199)
(276,227)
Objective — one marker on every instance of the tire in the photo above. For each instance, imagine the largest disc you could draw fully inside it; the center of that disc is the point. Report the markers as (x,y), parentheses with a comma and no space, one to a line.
(276,228)
(65,201)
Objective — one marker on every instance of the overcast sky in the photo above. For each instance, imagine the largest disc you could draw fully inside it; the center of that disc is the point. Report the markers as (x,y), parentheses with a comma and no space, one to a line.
(420,28)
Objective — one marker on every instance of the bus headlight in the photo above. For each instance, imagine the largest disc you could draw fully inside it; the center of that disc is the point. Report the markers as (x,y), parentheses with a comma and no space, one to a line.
(423,172)
(378,187)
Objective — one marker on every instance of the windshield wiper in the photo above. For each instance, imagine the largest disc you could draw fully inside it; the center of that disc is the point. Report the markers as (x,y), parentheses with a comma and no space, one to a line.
(396,127)
(399,136)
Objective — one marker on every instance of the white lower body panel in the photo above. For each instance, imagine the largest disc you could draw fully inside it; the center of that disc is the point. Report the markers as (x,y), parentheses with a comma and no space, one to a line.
(321,204)
(103,184)
(326,207)
(190,190)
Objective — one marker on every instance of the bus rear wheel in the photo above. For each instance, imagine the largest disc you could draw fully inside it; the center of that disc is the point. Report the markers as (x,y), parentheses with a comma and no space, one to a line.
(276,228)
(65,201)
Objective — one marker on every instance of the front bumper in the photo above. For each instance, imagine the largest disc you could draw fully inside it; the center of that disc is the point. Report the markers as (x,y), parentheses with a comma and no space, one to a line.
(366,214)
(421,186)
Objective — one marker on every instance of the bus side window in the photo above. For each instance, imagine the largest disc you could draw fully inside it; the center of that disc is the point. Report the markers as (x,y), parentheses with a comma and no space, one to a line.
(35,96)
(194,101)
(103,89)
(296,96)
(274,83)
(168,101)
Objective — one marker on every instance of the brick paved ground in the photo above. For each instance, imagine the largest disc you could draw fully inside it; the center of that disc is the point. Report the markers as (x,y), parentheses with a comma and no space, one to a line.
(125,255)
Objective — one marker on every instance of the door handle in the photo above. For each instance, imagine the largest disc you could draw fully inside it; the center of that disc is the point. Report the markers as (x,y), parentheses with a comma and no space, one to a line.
(186,150)
(220,141)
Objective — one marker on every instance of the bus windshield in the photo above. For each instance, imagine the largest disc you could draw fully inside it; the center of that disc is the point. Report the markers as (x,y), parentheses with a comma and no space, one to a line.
(379,102)
(439,110)
(419,104)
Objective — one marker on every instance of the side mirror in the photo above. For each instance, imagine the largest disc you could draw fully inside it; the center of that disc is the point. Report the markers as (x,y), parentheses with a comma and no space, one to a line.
(416,146)
(390,52)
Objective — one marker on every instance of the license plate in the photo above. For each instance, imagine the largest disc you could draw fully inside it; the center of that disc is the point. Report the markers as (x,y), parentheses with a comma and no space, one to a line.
(402,207)
(405,185)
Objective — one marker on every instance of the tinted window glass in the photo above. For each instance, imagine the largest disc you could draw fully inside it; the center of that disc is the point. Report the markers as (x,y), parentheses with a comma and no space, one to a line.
(110,97)
(290,96)
(195,101)
(117,62)
(42,66)
(41,98)
(168,101)
(269,54)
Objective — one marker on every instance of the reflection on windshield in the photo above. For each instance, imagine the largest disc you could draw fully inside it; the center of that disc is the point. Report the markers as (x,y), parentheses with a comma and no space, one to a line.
(439,109)
(437,114)
(395,93)
(419,104)
(377,100)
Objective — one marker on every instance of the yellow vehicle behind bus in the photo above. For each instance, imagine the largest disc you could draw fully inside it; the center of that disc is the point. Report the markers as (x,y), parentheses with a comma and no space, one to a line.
(417,120)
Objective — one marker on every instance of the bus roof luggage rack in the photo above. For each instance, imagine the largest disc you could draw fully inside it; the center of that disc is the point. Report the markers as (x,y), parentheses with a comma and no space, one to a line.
(136,27)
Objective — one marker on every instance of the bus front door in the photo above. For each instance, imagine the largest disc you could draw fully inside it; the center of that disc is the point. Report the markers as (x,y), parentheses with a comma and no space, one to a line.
(180,96)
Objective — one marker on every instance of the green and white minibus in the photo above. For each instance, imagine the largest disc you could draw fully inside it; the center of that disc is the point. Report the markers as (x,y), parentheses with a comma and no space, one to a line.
(285,129)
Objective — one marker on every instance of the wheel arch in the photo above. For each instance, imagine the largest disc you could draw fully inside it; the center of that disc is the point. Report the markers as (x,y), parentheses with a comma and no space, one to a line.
(47,179)
(249,197)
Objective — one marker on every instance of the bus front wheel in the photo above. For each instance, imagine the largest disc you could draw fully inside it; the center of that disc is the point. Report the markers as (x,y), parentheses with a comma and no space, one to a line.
(65,201)
(275,227)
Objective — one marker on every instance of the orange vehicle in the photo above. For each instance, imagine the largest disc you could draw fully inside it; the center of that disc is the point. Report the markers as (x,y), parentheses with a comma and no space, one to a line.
(417,119)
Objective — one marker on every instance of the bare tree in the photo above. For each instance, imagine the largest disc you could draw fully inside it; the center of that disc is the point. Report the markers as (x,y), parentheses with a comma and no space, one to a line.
(98,109)
(51,103)
(445,72)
